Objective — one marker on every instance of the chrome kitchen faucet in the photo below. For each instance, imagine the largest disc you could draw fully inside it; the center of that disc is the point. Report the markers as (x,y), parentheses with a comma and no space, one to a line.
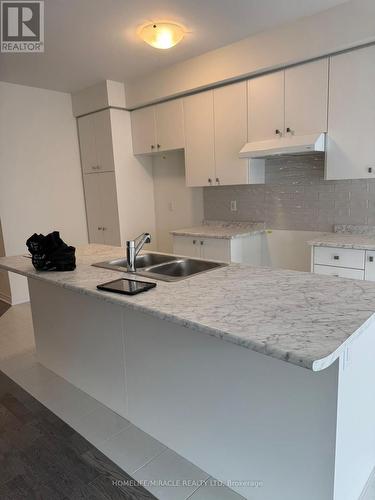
(133,247)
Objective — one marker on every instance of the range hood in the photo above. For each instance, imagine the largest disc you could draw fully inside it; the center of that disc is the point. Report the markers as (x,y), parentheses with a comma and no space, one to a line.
(290,144)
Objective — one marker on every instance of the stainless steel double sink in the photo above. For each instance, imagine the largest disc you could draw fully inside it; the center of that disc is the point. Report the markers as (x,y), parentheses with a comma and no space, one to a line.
(163,267)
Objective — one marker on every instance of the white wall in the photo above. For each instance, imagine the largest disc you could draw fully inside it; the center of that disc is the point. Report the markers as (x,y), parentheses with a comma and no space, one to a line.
(134,182)
(176,206)
(40,175)
(289,249)
(345,26)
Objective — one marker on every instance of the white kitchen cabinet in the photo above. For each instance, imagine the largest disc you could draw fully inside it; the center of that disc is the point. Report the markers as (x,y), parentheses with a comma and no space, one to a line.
(95,139)
(343,262)
(339,272)
(306,98)
(351,124)
(101,208)
(199,139)
(370,265)
(266,106)
(293,101)
(169,125)
(215,131)
(143,130)
(186,245)
(203,248)
(246,249)
(158,128)
(230,132)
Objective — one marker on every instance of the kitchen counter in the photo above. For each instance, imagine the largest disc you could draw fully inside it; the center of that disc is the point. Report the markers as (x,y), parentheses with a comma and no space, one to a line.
(342,240)
(300,318)
(160,360)
(221,230)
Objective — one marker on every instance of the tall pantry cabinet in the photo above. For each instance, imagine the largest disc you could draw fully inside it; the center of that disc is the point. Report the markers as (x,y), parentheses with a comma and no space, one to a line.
(99,178)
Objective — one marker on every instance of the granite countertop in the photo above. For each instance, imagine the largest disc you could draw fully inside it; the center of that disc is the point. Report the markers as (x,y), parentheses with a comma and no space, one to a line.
(347,236)
(301,318)
(221,229)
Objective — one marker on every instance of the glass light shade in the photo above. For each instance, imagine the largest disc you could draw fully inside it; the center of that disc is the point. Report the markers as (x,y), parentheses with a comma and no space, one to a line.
(162,35)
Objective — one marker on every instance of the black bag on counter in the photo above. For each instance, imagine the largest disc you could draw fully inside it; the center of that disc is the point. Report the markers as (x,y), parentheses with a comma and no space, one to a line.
(51,253)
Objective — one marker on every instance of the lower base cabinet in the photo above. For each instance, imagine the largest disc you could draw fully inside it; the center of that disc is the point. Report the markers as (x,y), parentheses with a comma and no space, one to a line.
(343,262)
(244,249)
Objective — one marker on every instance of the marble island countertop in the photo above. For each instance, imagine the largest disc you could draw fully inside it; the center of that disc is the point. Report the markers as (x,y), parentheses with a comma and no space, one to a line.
(221,229)
(301,318)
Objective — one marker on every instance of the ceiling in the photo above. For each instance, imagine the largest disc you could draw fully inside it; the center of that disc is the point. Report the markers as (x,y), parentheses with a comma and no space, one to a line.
(87,41)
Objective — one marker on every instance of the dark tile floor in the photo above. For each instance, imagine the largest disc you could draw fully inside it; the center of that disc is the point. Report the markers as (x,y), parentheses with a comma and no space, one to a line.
(42,458)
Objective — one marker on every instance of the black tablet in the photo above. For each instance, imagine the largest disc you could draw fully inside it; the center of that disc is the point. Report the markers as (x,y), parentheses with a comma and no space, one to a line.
(125,286)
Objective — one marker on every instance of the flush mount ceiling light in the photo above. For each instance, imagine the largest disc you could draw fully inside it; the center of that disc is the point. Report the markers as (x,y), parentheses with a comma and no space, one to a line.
(162,35)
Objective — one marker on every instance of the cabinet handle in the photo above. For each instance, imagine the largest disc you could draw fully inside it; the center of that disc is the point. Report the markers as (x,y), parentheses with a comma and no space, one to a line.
(158,146)
(202,242)
(209,180)
(104,229)
(278,132)
(371,259)
(217,180)
(369,170)
(289,130)
(336,257)
(194,242)
(100,228)
(95,167)
(152,146)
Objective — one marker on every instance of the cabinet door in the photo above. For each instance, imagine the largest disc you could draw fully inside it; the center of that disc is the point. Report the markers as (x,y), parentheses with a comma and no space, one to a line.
(199,139)
(110,218)
(186,245)
(86,134)
(169,125)
(93,208)
(265,106)
(306,98)
(370,265)
(215,249)
(230,109)
(101,208)
(351,112)
(143,130)
(103,140)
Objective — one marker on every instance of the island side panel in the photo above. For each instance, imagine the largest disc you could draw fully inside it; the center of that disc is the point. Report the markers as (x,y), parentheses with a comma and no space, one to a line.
(355,449)
(81,339)
(237,414)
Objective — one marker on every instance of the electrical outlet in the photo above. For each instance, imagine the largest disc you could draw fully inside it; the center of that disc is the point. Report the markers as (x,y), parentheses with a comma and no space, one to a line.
(233,206)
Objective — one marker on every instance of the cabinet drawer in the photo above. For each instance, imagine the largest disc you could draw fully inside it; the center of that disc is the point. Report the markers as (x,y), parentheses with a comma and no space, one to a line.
(341,272)
(339,257)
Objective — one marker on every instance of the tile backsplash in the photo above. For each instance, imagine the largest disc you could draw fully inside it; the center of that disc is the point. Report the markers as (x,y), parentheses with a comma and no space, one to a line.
(295,197)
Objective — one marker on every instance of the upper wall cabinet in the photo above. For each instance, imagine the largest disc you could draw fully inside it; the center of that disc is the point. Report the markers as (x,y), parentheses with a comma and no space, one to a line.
(215,131)
(199,139)
(95,140)
(293,101)
(306,98)
(266,106)
(230,133)
(158,128)
(351,127)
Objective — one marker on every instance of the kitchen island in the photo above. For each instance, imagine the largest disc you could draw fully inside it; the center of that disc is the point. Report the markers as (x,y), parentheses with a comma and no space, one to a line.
(254,374)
